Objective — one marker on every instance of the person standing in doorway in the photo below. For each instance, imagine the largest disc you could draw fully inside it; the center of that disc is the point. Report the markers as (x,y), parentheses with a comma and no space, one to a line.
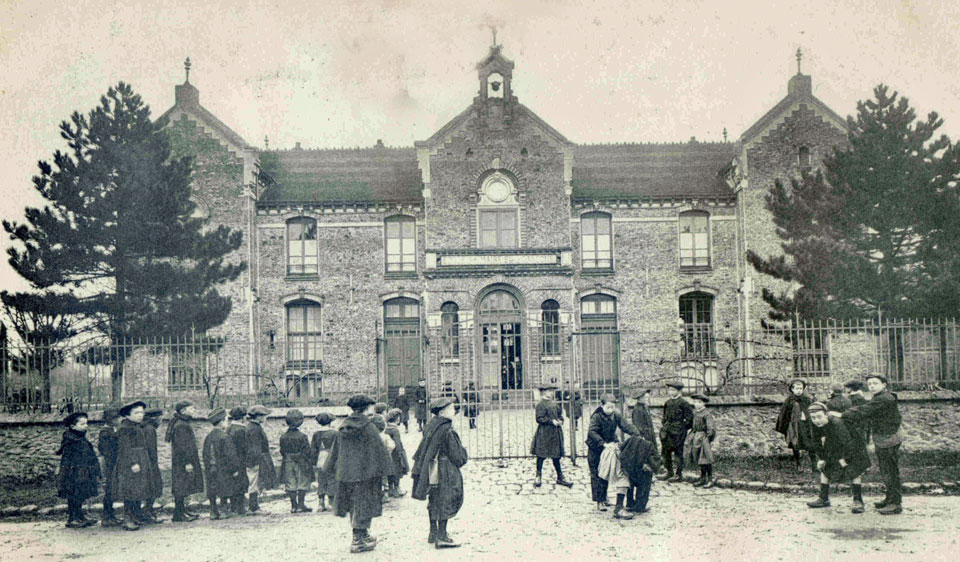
(677,420)
(402,402)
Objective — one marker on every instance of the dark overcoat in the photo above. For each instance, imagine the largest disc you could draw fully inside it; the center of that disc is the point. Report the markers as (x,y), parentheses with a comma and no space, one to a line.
(401,465)
(881,415)
(221,464)
(635,452)
(797,432)
(857,428)
(132,452)
(677,420)
(603,429)
(358,461)
(699,446)
(643,421)
(323,441)
(548,440)
(838,402)
(471,401)
(296,460)
(835,443)
(238,433)
(108,445)
(574,404)
(184,453)
(441,444)
(402,403)
(258,455)
(155,483)
(79,474)
(421,396)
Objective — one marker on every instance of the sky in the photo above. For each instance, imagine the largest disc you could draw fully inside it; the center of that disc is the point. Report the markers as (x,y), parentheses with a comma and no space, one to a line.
(339,73)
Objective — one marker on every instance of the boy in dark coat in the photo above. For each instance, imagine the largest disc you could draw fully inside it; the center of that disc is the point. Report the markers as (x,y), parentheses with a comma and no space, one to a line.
(402,403)
(471,401)
(79,470)
(881,414)
(322,442)
(399,455)
(359,461)
(677,420)
(602,433)
(854,391)
(436,471)
(699,444)
(421,404)
(238,433)
(296,465)
(640,416)
(221,464)
(838,401)
(794,423)
(548,440)
(186,474)
(842,458)
(573,402)
(132,474)
(151,421)
(639,460)
(108,445)
(261,473)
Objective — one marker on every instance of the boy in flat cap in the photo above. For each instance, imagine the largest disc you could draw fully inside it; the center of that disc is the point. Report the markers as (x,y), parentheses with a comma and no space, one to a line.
(402,403)
(79,474)
(108,447)
(261,474)
(237,431)
(132,475)
(842,458)
(601,437)
(436,471)
(699,442)
(296,465)
(186,474)
(881,414)
(151,421)
(221,464)
(322,442)
(421,397)
(548,440)
(359,461)
(677,420)
(640,416)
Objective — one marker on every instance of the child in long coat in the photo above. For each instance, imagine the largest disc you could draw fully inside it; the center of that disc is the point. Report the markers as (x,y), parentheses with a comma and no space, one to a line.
(132,475)
(151,421)
(79,470)
(548,440)
(221,464)
(401,465)
(296,466)
(108,446)
(842,457)
(603,434)
(402,403)
(699,443)
(639,461)
(793,423)
(322,442)
(421,411)
(261,473)
(186,473)
(238,433)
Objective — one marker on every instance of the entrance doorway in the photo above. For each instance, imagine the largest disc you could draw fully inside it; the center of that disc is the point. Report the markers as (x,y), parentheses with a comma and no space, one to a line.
(501,342)
(401,331)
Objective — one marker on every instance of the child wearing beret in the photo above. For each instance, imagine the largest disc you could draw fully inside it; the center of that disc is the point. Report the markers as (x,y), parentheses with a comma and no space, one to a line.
(237,431)
(132,474)
(79,470)
(220,463)
(322,442)
(296,467)
(107,445)
(702,434)
(399,454)
(151,422)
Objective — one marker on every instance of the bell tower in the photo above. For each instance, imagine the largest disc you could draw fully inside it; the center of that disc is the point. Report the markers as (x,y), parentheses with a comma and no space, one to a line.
(495,73)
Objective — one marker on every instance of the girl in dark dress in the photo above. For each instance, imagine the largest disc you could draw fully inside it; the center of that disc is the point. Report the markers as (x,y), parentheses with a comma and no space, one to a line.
(221,464)
(151,422)
(79,470)
(548,440)
(132,474)
(794,423)
(322,442)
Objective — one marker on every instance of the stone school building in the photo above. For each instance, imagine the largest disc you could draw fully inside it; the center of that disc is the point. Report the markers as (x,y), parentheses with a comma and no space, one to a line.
(496,252)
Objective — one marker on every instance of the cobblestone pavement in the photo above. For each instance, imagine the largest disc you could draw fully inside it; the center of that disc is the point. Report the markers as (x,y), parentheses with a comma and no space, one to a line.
(506,518)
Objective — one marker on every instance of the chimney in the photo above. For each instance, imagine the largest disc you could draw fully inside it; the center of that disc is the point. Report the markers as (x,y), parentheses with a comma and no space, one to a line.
(186,93)
(800,85)
(379,143)
(297,147)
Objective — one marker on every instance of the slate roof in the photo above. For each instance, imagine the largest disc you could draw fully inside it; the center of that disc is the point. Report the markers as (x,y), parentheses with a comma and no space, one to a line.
(656,171)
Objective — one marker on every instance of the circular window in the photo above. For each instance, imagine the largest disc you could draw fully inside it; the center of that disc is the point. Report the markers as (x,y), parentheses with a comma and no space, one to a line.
(498,190)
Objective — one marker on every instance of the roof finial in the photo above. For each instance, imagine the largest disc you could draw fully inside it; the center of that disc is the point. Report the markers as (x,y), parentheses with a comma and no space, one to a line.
(493,28)
(724,134)
(186,66)
(799,58)
(266,142)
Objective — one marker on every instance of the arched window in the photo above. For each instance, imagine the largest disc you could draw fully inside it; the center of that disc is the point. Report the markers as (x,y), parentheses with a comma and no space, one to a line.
(596,241)
(498,213)
(696,312)
(401,244)
(550,328)
(803,157)
(304,335)
(450,330)
(694,239)
(302,246)
(598,312)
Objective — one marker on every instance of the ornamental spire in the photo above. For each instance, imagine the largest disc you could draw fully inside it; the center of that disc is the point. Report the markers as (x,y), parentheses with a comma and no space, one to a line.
(799,58)
(186,67)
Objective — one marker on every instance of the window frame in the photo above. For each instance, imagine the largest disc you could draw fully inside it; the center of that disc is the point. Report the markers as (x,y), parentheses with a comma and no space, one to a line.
(312,339)
(185,365)
(499,212)
(804,152)
(400,220)
(302,220)
(695,266)
(695,334)
(550,329)
(599,317)
(596,267)
(449,331)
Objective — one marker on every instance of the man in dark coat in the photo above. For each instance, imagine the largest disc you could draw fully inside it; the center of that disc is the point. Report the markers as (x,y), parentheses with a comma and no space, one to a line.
(79,473)
(677,420)
(421,404)
(602,433)
(358,461)
(548,440)
(261,472)
(436,471)
(794,423)
(221,463)
(842,458)
(151,421)
(186,475)
(108,447)
(132,474)
(238,432)
(640,416)
(881,414)
(402,402)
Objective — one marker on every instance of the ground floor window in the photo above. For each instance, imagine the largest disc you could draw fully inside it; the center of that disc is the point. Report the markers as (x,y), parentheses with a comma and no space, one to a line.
(696,312)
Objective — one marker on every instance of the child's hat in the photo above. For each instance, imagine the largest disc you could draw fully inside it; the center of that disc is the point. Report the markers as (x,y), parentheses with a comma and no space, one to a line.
(111,413)
(217,416)
(359,402)
(72,418)
(701,397)
(817,407)
(294,418)
(440,403)
(675,384)
(641,393)
(153,413)
(127,408)
(237,413)
(179,406)
(379,422)
(324,418)
(258,410)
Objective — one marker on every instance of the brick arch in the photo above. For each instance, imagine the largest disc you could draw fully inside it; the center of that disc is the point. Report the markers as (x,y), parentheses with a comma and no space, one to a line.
(513,288)
(595,209)
(480,171)
(698,206)
(697,288)
(301,295)
(600,290)
(384,297)
(561,296)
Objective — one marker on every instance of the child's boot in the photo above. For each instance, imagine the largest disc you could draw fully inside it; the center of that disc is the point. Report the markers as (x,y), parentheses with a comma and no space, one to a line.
(254,503)
(432,537)
(302,503)
(824,499)
(293,502)
(857,499)
(443,539)
(618,511)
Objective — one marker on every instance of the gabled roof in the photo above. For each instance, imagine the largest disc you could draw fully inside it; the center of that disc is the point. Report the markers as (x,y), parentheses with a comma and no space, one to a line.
(656,171)
(350,175)
(188,100)
(799,91)
(451,127)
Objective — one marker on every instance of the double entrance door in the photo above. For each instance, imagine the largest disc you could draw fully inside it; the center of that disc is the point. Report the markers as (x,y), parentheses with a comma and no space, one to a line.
(501,356)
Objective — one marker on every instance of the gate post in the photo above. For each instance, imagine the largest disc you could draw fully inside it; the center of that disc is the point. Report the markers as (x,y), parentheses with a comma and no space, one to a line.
(572,404)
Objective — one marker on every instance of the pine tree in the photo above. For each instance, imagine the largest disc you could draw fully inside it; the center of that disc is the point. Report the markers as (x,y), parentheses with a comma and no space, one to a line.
(875,232)
(116,238)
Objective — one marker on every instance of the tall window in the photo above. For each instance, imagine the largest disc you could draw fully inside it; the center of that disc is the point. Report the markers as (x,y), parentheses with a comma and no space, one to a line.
(550,328)
(694,239)
(696,311)
(304,338)
(499,212)
(450,327)
(597,247)
(598,312)
(401,244)
(498,228)
(803,157)
(302,246)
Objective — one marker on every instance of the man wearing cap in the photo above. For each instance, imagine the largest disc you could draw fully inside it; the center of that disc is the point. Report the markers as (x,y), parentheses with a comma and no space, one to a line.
(186,475)
(132,473)
(238,433)
(108,447)
(548,440)
(358,461)
(677,420)
(151,421)
(881,414)
(641,415)
(220,462)
(261,473)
